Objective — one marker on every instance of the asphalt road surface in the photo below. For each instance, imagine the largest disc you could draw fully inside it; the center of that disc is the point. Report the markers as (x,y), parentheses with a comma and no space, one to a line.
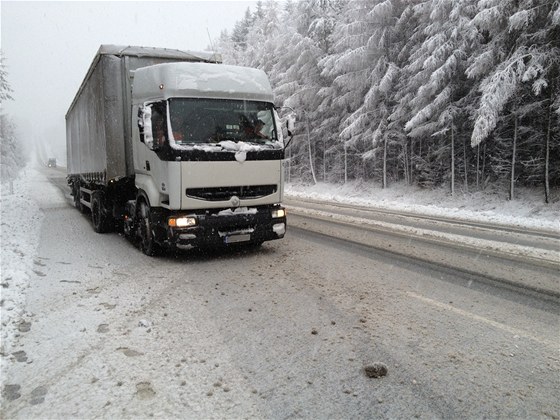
(285,330)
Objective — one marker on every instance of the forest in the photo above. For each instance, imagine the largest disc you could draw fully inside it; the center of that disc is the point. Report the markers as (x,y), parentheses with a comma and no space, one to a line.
(457,93)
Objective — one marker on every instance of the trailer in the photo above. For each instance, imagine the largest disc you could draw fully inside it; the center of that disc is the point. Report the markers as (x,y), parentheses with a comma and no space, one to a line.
(176,149)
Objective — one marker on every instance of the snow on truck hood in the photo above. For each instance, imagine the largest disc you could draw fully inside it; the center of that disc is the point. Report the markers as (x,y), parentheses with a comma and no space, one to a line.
(200,80)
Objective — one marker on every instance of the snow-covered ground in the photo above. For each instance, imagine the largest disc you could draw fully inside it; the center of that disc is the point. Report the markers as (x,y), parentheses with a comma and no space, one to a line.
(21,220)
(527,210)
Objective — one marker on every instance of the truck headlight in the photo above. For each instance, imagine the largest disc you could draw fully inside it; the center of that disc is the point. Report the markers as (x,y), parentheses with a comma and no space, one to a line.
(276,213)
(180,222)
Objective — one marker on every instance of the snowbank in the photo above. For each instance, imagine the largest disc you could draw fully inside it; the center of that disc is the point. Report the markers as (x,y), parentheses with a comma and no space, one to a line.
(21,218)
(527,210)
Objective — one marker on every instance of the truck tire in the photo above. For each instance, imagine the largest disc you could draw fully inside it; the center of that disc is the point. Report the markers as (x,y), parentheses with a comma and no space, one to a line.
(77,203)
(148,244)
(101,220)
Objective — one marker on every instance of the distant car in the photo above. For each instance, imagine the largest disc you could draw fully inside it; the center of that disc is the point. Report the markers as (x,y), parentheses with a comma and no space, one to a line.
(52,163)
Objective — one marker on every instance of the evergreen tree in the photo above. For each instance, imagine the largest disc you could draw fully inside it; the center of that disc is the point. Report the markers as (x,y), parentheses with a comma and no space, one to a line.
(348,70)
(519,79)
(12,157)
(437,74)
(370,120)
(241,30)
(5,89)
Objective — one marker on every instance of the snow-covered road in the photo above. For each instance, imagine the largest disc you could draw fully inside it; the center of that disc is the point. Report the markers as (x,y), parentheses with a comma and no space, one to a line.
(93,328)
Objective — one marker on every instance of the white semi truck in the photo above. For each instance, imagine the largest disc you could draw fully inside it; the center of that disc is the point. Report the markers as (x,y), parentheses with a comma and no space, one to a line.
(176,149)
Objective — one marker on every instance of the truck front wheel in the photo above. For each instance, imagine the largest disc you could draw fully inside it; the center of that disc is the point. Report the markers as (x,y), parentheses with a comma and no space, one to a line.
(145,231)
(99,217)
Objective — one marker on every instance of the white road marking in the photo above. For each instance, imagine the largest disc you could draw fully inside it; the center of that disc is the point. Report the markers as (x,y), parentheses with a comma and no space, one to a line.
(478,318)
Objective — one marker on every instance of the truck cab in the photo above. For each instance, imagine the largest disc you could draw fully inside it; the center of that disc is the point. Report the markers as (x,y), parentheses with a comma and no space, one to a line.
(208,152)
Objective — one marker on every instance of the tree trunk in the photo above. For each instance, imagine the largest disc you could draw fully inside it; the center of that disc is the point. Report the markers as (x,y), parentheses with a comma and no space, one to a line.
(478,166)
(324,164)
(411,171)
(483,166)
(512,180)
(385,163)
(405,159)
(547,155)
(345,163)
(452,161)
(465,165)
(289,165)
(310,154)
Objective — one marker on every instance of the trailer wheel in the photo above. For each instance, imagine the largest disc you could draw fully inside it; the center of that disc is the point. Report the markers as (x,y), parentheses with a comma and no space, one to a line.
(101,221)
(148,244)
(77,203)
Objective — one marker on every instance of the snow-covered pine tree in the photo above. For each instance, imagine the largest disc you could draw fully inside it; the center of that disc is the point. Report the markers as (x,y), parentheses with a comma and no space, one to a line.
(12,157)
(262,36)
(518,66)
(409,28)
(436,72)
(307,29)
(380,55)
(346,66)
(5,89)
(241,30)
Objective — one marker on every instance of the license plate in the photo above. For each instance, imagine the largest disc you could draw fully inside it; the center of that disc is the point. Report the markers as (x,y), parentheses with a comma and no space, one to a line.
(237,238)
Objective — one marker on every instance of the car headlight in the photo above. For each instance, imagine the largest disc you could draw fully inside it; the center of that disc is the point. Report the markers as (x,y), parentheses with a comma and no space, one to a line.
(180,222)
(276,213)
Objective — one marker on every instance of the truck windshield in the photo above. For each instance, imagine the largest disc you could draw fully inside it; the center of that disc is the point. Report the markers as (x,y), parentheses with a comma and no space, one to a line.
(204,121)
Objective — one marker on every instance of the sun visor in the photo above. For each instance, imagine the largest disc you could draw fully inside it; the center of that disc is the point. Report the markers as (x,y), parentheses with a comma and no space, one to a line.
(201,80)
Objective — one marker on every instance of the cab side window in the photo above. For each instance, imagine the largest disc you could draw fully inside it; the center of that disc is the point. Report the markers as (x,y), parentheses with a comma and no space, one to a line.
(159,124)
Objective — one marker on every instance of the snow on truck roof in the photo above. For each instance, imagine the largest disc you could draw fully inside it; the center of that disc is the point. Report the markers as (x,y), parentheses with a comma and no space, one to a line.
(201,80)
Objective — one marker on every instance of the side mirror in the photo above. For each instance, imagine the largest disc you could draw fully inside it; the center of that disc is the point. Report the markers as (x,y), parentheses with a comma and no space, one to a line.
(291,124)
(140,122)
(145,125)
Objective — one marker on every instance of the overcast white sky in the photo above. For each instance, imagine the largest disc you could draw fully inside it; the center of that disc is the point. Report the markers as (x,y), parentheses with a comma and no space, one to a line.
(48,47)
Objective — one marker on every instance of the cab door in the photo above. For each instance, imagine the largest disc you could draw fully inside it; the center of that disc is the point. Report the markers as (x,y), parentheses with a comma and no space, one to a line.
(149,147)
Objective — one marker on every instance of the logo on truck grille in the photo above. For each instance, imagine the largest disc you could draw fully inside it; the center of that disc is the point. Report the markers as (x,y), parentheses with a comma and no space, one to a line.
(235,201)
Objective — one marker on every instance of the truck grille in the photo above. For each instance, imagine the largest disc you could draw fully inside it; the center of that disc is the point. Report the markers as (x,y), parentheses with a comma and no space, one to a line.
(225,193)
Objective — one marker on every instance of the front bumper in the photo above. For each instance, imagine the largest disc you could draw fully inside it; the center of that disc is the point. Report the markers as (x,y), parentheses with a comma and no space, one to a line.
(255,225)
